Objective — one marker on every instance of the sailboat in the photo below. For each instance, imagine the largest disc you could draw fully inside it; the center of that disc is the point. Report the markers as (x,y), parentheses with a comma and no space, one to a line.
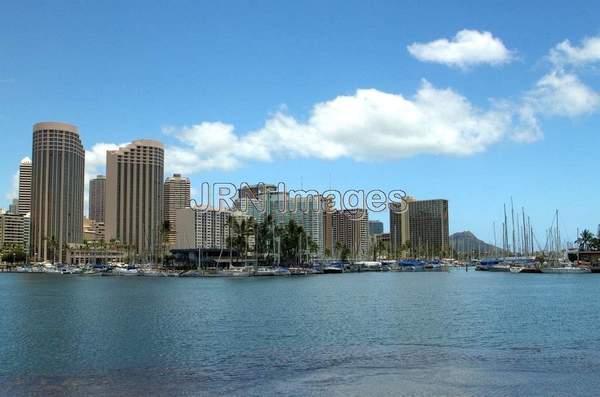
(557,265)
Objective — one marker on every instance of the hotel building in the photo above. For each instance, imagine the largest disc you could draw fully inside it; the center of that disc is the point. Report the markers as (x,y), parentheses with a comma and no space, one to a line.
(57,185)
(134,197)
(176,196)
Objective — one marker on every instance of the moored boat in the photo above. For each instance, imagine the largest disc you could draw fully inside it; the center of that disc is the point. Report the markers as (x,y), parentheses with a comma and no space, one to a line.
(298,271)
(566,270)
(265,271)
(240,271)
(333,268)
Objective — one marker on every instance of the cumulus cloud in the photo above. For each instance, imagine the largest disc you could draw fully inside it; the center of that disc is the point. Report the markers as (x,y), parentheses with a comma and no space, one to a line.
(467,48)
(373,125)
(562,94)
(565,53)
(368,125)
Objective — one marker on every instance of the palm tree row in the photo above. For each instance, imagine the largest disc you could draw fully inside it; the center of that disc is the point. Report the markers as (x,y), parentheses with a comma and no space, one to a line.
(266,241)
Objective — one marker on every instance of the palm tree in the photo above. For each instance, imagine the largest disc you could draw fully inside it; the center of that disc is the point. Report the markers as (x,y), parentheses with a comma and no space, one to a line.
(52,245)
(293,238)
(378,249)
(241,230)
(585,240)
(344,253)
(165,230)
(264,233)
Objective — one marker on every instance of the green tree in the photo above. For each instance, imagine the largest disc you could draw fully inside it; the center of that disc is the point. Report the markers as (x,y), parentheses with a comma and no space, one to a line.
(264,233)
(585,240)
(241,229)
(378,249)
(13,254)
(293,242)
(344,253)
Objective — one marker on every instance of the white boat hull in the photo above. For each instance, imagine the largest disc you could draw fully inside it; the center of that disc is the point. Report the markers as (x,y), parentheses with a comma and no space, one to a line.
(565,270)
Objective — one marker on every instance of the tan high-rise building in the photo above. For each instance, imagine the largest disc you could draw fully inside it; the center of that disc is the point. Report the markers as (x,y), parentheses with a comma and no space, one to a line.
(399,232)
(25,169)
(350,229)
(57,189)
(428,226)
(177,196)
(420,226)
(133,212)
(96,202)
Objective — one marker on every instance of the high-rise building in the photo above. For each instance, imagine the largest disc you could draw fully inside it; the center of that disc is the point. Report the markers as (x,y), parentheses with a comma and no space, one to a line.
(96,199)
(428,226)
(419,225)
(13,207)
(12,230)
(56,190)
(255,191)
(375,227)
(176,196)
(202,228)
(25,170)
(399,233)
(350,228)
(133,210)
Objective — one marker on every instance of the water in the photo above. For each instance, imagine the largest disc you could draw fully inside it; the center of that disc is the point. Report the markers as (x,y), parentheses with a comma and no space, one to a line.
(427,334)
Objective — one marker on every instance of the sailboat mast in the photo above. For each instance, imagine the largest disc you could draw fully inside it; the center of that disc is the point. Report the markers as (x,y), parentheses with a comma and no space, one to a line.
(505,232)
(495,245)
(512,210)
(525,247)
(557,238)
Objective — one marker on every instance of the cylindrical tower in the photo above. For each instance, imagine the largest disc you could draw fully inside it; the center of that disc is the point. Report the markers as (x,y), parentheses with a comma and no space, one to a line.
(57,190)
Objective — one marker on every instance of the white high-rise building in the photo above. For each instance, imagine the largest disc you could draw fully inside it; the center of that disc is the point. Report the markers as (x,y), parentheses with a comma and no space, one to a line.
(25,170)
(202,228)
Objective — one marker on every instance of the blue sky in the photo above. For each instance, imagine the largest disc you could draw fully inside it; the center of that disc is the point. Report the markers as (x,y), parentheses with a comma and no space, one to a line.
(252,72)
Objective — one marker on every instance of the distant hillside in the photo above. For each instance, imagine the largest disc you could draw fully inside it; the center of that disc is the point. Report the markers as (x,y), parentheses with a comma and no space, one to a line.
(466,242)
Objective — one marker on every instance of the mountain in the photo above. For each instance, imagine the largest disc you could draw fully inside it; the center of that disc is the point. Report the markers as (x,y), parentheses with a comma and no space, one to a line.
(466,242)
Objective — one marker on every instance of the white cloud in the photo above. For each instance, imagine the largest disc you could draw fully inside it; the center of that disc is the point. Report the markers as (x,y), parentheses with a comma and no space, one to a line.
(527,127)
(562,94)
(467,48)
(368,125)
(566,54)
(372,125)
(13,193)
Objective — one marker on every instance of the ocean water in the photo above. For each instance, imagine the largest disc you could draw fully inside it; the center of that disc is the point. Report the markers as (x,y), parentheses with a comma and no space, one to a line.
(447,334)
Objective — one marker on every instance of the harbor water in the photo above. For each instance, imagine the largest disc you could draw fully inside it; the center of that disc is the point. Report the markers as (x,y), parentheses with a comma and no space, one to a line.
(455,333)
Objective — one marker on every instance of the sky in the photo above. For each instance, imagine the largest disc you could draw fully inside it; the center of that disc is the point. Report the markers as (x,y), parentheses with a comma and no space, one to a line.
(471,101)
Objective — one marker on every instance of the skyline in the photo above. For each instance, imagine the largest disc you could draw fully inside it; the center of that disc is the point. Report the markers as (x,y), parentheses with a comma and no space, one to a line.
(377,77)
